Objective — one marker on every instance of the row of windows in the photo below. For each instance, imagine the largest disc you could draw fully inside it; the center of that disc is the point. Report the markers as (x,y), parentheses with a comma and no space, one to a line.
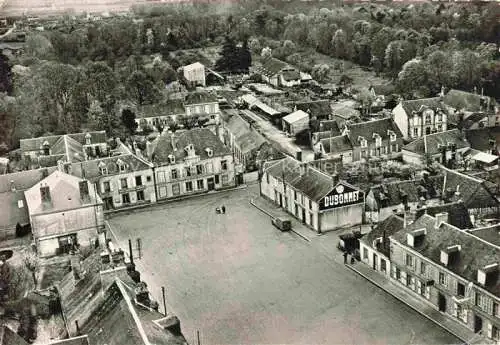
(439,128)
(411,282)
(189,186)
(124,184)
(126,197)
(198,169)
(378,141)
(380,151)
(198,109)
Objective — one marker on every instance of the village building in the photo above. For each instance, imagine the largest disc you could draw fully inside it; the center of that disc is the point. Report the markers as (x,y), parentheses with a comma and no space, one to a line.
(480,109)
(447,148)
(473,121)
(14,211)
(484,139)
(203,104)
(317,199)
(151,116)
(323,129)
(318,109)
(244,141)
(453,270)
(278,73)
(335,147)
(458,214)
(374,247)
(295,122)
(191,162)
(121,181)
(69,148)
(402,196)
(100,299)
(378,138)
(419,117)
(65,212)
(257,106)
(490,234)
(194,74)
(472,191)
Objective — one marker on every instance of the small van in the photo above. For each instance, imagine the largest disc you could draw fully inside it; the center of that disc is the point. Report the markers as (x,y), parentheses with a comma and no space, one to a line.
(282,223)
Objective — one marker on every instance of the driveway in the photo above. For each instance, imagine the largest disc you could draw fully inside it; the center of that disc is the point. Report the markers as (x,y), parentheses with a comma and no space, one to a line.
(238,280)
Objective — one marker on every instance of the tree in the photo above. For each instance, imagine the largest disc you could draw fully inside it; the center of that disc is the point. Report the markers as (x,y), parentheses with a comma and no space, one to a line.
(5,75)
(440,70)
(366,98)
(245,57)
(413,77)
(32,264)
(100,80)
(39,46)
(128,120)
(340,45)
(142,88)
(228,60)
(320,72)
(254,45)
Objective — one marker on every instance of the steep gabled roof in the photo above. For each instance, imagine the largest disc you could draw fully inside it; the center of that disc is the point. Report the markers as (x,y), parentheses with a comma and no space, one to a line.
(200,138)
(474,253)
(314,184)
(472,191)
(430,143)
(384,229)
(296,116)
(417,105)
(272,66)
(482,138)
(468,101)
(336,144)
(458,214)
(369,128)
(23,180)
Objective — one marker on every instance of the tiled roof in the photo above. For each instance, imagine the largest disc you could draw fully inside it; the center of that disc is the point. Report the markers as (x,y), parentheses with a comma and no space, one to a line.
(90,169)
(9,337)
(64,192)
(35,144)
(344,111)
(369,128)
(320,108)
(430,143)
(458,214)
(237,126)
(472,119)
(474,253)
(391,194)
(313,184)
(330,166)
(250,141)
(24,179)
(337,144)
(296,116)
(268,152)
(291,75)
(271,66)
(117,312)
(200,138)
(10,212)
(164,108)
(385,228)
(490,234)
(479,139)
(472,191)
(200,97)
(417,105)
(468,101)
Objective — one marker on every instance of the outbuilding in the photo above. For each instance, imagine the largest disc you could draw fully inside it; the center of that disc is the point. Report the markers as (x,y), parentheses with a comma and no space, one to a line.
(317,199)
(295,122)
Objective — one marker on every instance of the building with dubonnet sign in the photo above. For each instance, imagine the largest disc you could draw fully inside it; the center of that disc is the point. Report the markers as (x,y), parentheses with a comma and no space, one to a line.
(317,199)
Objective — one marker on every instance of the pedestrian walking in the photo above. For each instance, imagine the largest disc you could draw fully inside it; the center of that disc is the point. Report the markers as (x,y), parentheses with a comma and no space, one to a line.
(223,209)
(345,258)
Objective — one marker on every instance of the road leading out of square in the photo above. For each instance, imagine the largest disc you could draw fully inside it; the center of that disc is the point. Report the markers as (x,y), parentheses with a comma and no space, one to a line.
(238,280)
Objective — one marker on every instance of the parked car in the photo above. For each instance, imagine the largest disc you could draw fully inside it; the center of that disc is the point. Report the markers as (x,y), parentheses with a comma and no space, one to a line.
(282,223)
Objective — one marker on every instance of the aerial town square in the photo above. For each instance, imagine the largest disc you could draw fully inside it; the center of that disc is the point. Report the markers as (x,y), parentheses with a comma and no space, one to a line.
(249,172)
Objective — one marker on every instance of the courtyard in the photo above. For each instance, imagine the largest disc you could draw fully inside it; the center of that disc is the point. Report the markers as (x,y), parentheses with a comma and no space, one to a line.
(237,280)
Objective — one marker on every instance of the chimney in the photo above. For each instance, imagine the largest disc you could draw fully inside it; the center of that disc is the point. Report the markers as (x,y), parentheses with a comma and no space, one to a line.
(441,218)
(335,179)
(12,186)
(45,194)
(303,169)
(84,190)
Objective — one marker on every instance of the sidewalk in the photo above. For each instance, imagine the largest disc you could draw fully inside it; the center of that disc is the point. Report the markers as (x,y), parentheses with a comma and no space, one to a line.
(425,309)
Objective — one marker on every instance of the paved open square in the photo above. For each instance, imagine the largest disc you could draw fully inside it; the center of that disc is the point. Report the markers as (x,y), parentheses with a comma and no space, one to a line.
(238,280)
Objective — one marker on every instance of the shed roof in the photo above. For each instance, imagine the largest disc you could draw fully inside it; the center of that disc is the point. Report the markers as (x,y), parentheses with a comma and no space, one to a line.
(296,116)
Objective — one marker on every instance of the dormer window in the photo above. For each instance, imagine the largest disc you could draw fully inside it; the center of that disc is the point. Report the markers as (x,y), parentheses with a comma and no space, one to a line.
(121,165)
(88,139)
(171,159)
(392,135)
(450,254)
(487,273)
(209,152)
(362,142)
(103,168)
(378,139)
(189,150)
(415,237)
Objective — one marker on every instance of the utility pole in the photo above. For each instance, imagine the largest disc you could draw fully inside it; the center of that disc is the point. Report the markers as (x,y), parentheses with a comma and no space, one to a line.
(130,253)
(164,302)
(198,337)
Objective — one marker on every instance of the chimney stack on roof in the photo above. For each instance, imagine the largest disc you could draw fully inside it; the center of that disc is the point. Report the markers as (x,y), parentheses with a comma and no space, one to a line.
(441,218)
(84,190)
(45,194)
